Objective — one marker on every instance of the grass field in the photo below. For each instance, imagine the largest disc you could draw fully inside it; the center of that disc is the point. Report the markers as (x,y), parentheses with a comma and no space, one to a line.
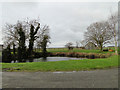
(71,65)
(53,50)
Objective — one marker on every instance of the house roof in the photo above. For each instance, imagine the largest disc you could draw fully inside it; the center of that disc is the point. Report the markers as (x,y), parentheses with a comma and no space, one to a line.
(90,43)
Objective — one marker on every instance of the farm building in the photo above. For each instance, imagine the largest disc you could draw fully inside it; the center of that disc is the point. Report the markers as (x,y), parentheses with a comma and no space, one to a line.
(90,45)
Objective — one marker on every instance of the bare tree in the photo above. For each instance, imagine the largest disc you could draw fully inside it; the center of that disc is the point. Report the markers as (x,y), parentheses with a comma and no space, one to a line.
(69,45)
(99,33)
(11,36)
(22,46)
(77,44)
(15,36)
(113,20)
(23,32)
(83,43)
(44,39)
(33,37)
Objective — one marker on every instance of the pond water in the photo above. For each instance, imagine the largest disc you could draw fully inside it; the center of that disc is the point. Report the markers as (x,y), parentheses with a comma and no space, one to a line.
(49,59)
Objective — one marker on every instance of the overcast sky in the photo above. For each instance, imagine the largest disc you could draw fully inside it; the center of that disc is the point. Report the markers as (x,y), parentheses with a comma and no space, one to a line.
(67,20)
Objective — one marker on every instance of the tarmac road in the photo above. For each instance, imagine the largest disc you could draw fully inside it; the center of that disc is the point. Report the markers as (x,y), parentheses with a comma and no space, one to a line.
(107,78)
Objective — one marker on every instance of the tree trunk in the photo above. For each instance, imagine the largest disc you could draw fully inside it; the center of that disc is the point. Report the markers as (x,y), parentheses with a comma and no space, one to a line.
(22,47)
(31,44)
(116,52)
(101,47)
(14,49)
(116,47)
(32,38)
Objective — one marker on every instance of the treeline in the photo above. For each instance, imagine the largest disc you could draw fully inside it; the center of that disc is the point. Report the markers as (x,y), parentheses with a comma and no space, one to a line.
(100,33)
(20,39)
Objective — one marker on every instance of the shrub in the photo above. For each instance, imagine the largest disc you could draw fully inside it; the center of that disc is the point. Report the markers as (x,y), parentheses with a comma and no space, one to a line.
(80,55)
(91,56)
(6,56)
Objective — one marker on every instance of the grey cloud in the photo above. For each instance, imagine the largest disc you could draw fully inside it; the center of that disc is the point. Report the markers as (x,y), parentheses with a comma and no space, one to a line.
(67,21)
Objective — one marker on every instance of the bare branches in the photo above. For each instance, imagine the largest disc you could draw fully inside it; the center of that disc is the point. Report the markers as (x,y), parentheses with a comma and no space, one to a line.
(99,33)
(113,21)
(69,45)
(43,34)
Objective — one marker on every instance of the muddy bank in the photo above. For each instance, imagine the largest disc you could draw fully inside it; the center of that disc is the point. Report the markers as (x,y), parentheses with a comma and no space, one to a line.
(80,55)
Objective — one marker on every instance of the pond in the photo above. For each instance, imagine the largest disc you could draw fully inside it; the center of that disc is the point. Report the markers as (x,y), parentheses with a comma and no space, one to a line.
(49,59)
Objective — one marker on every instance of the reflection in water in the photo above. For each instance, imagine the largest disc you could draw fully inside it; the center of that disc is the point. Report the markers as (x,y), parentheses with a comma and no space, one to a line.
(48,59)
(30,60)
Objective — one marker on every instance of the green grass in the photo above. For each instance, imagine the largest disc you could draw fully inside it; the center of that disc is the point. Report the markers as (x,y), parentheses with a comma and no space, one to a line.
(74,50)
(71,65)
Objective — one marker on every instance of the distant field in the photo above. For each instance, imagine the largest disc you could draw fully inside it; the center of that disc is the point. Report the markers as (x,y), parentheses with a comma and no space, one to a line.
(53,50)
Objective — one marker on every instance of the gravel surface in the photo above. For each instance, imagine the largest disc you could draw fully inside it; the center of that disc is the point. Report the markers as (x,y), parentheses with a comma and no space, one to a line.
(107,78)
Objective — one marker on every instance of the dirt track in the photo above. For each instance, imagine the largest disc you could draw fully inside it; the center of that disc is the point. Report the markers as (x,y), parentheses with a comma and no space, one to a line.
(82,79)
